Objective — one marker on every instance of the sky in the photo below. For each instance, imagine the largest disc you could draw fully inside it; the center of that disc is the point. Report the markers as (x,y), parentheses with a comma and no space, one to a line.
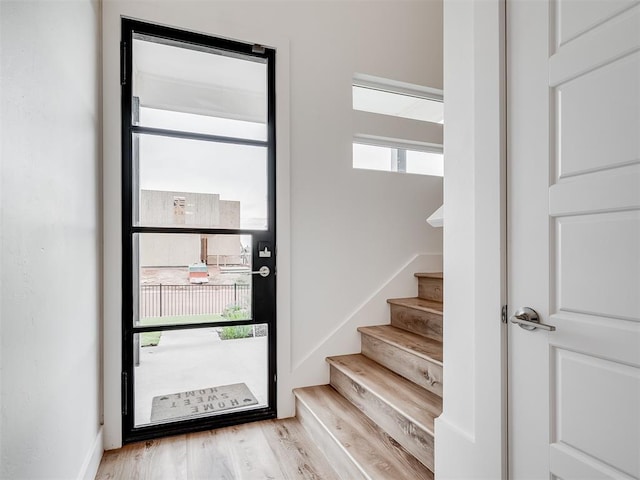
(236,172)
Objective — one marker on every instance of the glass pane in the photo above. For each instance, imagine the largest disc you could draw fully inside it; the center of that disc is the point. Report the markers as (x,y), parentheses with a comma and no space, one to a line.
(194,183)
(225,127)
(397,104)
(371,157)
(182,374)
(190,278)
(184,87)
(425,163)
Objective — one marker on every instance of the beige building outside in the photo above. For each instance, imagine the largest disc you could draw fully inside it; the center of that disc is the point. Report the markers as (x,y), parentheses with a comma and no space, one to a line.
(166,208)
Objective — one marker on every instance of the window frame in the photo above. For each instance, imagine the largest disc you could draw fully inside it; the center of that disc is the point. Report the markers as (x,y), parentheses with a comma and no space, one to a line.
(130,27)
(390,123)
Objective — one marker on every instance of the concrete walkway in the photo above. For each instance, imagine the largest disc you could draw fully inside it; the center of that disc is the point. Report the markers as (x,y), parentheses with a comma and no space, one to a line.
(196,359)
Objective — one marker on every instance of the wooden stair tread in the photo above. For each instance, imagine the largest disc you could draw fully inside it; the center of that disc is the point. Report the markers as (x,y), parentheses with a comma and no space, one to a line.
(374,453)
(419,345)
(420,406)
(418,303)
(429,275)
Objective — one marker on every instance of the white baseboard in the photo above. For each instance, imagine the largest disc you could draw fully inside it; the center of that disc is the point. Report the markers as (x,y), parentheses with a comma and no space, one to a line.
(94,456)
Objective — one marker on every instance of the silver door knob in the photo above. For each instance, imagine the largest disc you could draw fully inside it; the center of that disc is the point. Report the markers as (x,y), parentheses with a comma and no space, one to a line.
(528,319)
(263,271)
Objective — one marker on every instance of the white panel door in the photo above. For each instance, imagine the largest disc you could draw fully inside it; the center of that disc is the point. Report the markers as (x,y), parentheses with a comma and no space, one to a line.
(573,100)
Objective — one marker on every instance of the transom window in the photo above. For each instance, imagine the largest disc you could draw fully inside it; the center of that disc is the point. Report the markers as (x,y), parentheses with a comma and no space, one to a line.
(397,126)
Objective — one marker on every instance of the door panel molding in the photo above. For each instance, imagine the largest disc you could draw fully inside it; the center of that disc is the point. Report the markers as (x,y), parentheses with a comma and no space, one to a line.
(606,43)
(617,340)
(583,384)
(615,189)
(577,18)
(567,462)
(609,139)
(594,272)
(582,381)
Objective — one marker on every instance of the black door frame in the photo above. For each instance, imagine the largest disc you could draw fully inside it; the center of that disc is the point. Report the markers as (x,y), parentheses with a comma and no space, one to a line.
(264,298)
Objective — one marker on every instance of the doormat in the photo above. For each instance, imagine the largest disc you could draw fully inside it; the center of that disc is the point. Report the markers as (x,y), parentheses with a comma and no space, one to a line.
(200,402)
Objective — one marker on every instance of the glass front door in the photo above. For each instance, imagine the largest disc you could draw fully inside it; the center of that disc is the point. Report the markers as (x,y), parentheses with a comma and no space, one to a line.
(198,132)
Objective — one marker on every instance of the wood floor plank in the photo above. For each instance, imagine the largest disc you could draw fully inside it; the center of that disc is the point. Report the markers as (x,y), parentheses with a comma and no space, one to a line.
(208,456)
(273,449)
(299,457)
(169,460)
(250,453)
(122,463)
(375,454)
(160,459)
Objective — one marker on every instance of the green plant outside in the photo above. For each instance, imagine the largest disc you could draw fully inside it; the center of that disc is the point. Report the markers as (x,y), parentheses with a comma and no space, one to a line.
(241,331)
(236,312)
(150,339)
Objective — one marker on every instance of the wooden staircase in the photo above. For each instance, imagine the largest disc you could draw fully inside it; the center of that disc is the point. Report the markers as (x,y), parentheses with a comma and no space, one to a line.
(375,419)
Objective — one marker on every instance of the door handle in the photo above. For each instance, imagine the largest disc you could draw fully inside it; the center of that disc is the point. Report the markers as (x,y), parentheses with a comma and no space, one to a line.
(264,271)
(528,319)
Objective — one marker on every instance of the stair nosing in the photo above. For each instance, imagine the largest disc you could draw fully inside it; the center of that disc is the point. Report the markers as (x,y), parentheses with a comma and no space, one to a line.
(403,303)
(333,437)
(403,347)
(345,371)
(436,275)
(377,428)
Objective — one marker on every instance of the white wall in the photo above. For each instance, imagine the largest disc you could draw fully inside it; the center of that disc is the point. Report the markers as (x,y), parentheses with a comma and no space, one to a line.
(342,233)
(50,334)
(470,432)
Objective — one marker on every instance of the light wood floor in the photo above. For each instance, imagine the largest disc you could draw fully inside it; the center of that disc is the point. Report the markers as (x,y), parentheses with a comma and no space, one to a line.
(274,449)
